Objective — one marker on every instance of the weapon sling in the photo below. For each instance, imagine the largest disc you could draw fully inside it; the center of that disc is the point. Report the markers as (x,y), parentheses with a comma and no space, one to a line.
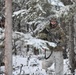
(49,54)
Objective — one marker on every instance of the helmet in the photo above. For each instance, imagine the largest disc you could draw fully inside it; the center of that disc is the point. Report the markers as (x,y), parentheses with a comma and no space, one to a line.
(53,18)
(53,21)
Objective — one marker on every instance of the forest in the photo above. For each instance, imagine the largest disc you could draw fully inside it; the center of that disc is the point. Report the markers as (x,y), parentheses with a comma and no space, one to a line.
(21,52)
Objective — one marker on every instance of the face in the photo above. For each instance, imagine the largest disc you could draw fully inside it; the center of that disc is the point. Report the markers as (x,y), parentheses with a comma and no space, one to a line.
(53,22)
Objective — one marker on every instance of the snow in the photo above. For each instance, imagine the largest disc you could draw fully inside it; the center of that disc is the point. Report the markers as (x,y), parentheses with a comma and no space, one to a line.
(66,67)
(39,6)
(32,65)
(40,44)
(0,17)
(35,65)
(22,11)
(30,23)
(62,8)
(56,2)
(23,65)
(29,66)
(19,12)
(29,40)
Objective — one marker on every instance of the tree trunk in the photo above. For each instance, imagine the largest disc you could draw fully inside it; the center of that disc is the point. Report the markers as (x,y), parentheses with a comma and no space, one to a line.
(8,37)
(75,38)
(71,45)
(27,31)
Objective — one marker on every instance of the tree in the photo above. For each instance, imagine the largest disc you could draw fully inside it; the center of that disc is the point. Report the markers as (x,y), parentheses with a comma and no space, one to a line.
(71,45)
(75,31)
(8,37)
(72,29)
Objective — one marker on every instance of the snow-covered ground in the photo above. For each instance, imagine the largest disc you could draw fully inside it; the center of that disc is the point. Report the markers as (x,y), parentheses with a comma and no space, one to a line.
(33,66)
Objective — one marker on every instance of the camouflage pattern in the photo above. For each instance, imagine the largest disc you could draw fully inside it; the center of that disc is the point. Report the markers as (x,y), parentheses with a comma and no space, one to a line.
(53,35)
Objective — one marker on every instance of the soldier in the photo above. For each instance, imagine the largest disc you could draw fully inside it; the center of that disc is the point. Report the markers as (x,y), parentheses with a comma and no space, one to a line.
(53,33)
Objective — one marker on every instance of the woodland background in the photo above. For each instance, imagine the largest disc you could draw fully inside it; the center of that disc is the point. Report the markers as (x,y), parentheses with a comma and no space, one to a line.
(29,16)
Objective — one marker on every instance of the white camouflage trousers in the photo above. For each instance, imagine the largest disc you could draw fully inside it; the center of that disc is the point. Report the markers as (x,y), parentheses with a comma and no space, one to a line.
(57,58)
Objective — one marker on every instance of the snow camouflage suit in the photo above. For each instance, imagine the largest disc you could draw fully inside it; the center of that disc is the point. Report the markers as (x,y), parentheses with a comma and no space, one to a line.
(55,35)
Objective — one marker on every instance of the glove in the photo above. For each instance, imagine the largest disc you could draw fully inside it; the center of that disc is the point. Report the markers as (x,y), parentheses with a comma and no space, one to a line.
(59,44)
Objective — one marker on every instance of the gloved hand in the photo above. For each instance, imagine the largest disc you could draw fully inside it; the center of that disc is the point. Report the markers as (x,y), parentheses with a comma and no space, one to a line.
(59,44)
